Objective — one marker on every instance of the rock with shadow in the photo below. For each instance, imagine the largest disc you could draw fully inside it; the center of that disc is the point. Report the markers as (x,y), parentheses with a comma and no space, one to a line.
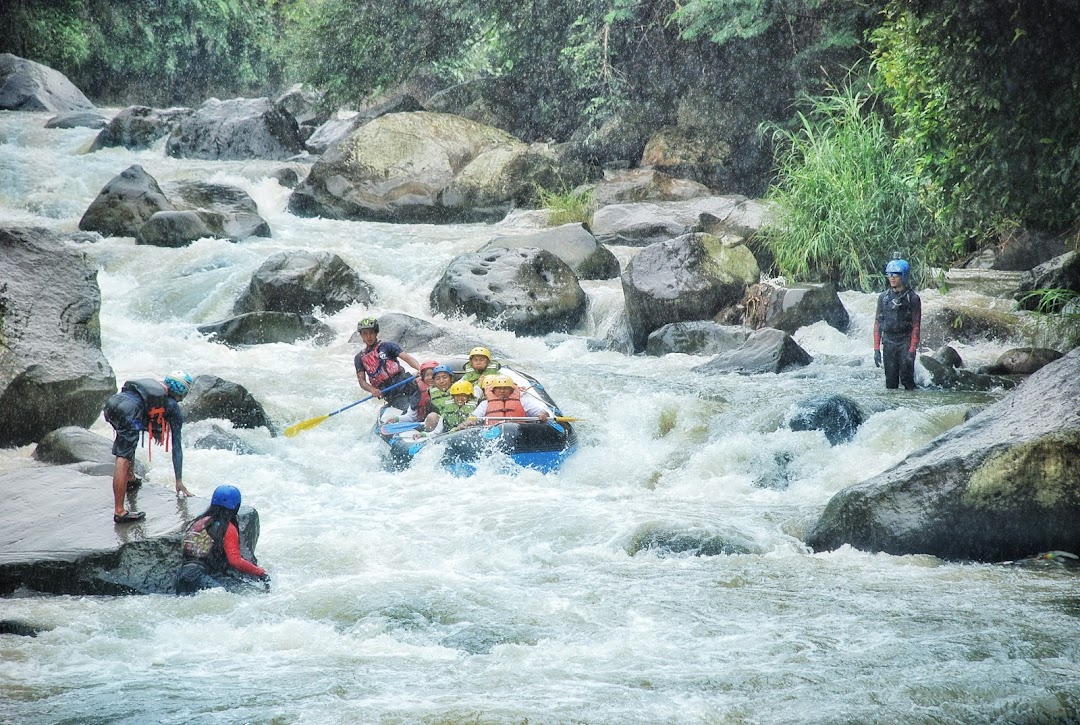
(212,397)
(767,350)
(837,416)
(260,328)
(236,129)
(139,127)
(29,86)
(299,281)
(217,438)
(696,337)
(75,446)
(572,243)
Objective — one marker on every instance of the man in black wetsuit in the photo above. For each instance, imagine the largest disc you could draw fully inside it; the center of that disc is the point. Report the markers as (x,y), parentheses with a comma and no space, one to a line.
(897,327)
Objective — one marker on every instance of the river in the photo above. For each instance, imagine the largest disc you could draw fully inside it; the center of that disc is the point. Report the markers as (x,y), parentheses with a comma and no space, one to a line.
(513,597)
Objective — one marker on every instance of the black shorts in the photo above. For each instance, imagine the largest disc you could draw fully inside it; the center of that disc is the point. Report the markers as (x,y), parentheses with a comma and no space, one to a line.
(125,416)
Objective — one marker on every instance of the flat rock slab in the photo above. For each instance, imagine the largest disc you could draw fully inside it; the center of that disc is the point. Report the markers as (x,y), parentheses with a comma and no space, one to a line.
(57,535)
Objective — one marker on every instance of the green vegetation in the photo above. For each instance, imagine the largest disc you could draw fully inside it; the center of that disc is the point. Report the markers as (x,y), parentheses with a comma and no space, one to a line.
(845,195)
(565,205)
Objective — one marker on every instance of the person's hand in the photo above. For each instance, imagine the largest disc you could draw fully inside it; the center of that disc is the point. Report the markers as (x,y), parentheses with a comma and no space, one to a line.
(912,355)
(181,489)
(543,417)
(877,358)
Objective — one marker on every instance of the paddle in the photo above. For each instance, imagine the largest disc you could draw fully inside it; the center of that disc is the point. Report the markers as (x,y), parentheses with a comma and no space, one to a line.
(393,428)
(531,418)
(295,430)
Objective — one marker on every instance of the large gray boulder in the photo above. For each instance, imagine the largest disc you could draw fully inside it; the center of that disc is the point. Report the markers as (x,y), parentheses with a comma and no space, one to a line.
(260,328)
(767,350)
(52,370)
(423,167)
(138,127)
(299,281)
(57,536)
(789,308)
(236,129)
(642,223)
(572,243)
(837,416)
(344,123)
(1062,272)
(214,397)
(692,277)
(29,86)
(72,445)
(1001,486)
(696,337)
(529,291)
(125,204)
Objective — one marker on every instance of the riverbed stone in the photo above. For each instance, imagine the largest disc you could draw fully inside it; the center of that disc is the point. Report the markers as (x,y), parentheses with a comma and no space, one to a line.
(1001,486)
(29,86)
(260,328)
(949,377)
(238,212)
(214,397)
(696,337)
(1061,273)
(77,119)
(572,243)
(299,281)
(767,350)
(52,370)
(139,127)
(1022,361)
(642,223)
(529,291)
(235,129)
(965,322)
(57,535)
(72,444)
(837,416)
(124,204)
(691,277)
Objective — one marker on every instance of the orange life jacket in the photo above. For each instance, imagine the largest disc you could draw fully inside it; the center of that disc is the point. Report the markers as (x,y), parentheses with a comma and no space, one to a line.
(509,408)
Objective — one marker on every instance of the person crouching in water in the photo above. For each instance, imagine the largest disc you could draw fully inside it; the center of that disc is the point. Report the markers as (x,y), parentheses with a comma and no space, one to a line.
(897,326)
(211,550)
(503,399)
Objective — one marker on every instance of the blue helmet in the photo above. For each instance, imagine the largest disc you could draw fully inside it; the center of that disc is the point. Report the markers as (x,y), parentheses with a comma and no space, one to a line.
(444,368)
(900,267)
(179,383)
(227,497)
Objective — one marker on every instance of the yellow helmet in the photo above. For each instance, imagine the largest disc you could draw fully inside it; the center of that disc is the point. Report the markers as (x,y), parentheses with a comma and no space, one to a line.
(500,381)
(480,351)
(461,387)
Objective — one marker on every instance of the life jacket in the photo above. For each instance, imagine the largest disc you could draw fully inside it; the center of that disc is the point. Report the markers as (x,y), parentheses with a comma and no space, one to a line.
(154,395)
(379,368)
(204,541)
(472,376)
(509,408)
(455,414)
(896,313)
(440,399)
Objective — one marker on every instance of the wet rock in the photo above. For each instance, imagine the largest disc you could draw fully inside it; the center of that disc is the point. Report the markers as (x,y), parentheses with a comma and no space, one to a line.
(572,243)
(179,228)
(529,291)
(77,119)
(220,439)
(1061,273)
(236,129)
(689,278)
(766,351)
(72,445)
(125,204)
(665,540)
(52,370)
(139,127)
(342,124)
(644,223)
(945,376)
(838,416)
(696,337)
(238,212)
(59,538)
(636,185)
(964,323)
(22,629)
(948,356)
(213,397)
(413,333)
(1000,486)
(790,308)
(1022,361)
(260,328)
(29,86)
(299,281)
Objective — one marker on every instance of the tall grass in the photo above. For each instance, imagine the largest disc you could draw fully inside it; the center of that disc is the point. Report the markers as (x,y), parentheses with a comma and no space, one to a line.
(845,196)
(565,205)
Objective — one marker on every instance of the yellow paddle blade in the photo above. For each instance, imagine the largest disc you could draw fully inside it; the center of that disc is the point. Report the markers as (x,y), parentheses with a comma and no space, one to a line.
(566,419)
(295,430)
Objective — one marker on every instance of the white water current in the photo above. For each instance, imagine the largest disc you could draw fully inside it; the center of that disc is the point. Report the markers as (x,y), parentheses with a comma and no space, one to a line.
(417,597)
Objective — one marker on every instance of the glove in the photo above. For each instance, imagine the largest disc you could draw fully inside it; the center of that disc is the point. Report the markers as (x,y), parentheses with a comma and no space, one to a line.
(265,579)
(877,358)
(912,356)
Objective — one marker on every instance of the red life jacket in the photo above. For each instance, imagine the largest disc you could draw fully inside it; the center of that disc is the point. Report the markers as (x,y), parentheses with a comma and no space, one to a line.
(379,369)
(509,408)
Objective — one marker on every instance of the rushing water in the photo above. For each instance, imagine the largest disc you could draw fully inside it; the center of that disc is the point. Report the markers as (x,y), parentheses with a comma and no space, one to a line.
(420,597)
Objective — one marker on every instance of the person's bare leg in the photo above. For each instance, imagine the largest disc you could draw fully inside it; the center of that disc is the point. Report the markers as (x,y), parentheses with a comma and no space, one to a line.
(121,473)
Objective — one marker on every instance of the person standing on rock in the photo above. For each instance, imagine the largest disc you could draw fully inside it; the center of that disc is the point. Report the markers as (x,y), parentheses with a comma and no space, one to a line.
(211,549)
(145,405)
(377,368)
(897,326)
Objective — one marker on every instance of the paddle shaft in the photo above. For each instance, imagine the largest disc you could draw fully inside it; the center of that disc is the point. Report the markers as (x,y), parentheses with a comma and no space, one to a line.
(310,423)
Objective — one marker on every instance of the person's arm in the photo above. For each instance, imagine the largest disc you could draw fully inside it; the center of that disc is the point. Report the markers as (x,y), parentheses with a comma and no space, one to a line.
(474,418)
(232,554)
(175,426)
(410,360)
(533,406)
(916,323)
(877,325)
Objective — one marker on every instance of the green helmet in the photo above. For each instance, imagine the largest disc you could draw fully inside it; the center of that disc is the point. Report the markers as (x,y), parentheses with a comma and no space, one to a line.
(368,323)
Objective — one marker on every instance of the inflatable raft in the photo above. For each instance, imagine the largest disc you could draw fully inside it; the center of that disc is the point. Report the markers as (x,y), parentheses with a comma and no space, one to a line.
(527,442)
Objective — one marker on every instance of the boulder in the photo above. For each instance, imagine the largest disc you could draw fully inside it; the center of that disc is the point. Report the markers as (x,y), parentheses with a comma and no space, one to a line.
(77,119)
(837,416)
(1022,361)
(636,185)
(789,308)
(572,243)
(59,538)
(239,213)
(218,438)
(125,204)
(1018,251)
(300,281)
(138,127)
(240,128)
(345,122)
(945,375)
(767,350)
(696,337)
(643,223)
(259,328)
(303,104)
(29,86)
(690,153)
(620,139)
(213,397)
(528,291)
(667,539)
(965,323)
(179,228)
(689,278)
(1062,273)
(1002,485)
(422,167)
(52,370)
(413,333)
(72,444)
